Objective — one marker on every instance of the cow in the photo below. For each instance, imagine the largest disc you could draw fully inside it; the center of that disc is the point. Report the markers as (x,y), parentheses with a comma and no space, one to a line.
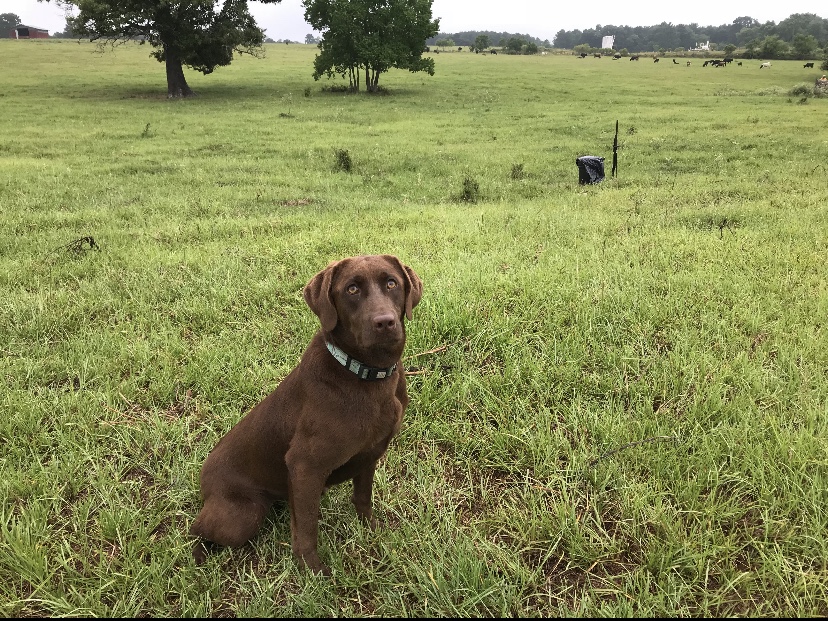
(808,66)
(459,49)
(739,63)
(616,56)
(763,65)
(655,60)
(633,57)
(596,56)
(582,55)
(494,52)
(707,62)
(688,63)
(727,60)
(675,62)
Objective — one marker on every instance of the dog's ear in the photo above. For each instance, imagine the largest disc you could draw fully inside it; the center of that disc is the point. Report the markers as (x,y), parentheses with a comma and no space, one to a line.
(318,296)
(413,286)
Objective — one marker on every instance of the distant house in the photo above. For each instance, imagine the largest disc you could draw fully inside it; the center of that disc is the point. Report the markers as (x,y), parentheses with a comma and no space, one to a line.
(21,31)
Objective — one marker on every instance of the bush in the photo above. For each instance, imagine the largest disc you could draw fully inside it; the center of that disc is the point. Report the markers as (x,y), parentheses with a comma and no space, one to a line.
(801,90)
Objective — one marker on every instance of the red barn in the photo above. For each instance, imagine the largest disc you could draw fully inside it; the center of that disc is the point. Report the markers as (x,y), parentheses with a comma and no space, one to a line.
(21,31)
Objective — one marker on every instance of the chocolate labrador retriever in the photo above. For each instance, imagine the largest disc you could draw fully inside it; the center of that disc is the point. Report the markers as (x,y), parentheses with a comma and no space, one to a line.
(328,421)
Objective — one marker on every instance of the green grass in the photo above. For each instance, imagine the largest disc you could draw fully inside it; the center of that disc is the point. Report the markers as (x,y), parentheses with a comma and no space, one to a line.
(684,303)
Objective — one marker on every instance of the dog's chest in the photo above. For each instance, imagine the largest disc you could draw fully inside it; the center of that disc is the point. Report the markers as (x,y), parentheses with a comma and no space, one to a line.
(378,420)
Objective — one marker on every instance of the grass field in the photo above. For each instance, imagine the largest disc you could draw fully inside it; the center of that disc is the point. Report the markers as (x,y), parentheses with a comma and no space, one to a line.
(619,391)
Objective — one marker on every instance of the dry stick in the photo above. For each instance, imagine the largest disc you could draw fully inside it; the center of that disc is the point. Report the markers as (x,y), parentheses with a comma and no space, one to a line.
(631,444)
(74,246)
(423,353)
(430,351)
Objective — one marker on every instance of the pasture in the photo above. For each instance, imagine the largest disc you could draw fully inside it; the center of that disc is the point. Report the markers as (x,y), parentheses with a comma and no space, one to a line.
(619,391)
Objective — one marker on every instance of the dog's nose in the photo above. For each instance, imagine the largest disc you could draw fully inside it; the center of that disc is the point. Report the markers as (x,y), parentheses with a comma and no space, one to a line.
(385,321)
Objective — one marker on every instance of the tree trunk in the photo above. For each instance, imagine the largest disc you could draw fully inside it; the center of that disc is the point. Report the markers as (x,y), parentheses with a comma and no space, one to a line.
(176,82)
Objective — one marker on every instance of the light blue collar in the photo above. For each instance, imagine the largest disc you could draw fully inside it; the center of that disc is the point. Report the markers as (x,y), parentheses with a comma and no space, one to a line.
(362,371)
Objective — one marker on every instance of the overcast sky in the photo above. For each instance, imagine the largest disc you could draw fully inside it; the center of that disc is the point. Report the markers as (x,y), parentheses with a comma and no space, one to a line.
(538,18)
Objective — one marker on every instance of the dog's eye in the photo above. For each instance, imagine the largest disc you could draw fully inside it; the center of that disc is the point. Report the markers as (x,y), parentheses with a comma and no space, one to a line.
(353,289)
(392,284)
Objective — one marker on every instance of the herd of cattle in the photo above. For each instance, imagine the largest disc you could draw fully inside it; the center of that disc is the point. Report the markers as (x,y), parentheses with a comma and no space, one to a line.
(717,62)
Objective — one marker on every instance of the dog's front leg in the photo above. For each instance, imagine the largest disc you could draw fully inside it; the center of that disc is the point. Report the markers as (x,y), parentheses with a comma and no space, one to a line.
(305,486)
(363,489)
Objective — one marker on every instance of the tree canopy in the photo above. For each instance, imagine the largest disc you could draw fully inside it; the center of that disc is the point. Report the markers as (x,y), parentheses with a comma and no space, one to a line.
(202,34)
(371,36)
(743,31)
(469,38)
(7,22)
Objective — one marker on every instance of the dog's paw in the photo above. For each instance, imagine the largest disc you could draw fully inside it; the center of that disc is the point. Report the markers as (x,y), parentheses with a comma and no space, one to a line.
(311,562)
(200,552)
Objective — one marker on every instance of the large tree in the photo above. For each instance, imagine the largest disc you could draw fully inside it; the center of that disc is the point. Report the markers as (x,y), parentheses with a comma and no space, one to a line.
(202,34)
(7,22)
(481,42)
(371,36)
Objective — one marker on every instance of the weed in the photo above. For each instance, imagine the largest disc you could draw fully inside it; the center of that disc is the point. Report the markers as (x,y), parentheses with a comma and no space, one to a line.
(343,160)
(337,88)
(517,171)
(146,133)
(471,191)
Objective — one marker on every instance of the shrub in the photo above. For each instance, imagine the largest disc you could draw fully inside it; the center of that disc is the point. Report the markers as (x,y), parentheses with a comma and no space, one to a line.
(801,90)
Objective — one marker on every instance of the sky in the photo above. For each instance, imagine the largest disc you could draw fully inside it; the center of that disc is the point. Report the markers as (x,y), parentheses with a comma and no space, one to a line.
(537,18)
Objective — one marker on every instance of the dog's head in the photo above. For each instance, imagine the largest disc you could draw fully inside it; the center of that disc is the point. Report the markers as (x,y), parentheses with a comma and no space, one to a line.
(364,299)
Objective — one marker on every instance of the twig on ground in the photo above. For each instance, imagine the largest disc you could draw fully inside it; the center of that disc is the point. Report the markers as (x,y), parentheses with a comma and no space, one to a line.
(430,351)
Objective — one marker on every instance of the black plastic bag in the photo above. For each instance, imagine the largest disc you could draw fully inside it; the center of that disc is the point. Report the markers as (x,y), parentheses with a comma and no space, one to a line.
(590,169)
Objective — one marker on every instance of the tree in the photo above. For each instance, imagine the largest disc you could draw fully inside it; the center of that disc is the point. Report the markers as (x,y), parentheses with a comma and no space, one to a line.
(481,42)
(745,22)
(196,33)
(7,22)
(773,47)
(515,44)
(444,43)
(729,49)
(310,39)
(804,46)
(370,35)
(530,48)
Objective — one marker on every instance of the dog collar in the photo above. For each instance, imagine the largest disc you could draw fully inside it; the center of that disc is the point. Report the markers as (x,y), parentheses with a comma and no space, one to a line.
(362,371)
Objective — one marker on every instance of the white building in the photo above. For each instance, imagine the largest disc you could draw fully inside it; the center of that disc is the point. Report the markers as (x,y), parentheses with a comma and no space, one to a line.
(608,42)
(702,46)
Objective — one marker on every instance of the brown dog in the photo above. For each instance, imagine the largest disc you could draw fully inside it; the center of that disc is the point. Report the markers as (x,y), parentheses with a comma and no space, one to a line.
(329,420)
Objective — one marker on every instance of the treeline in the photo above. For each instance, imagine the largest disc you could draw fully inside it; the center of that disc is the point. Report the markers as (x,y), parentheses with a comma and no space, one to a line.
(497,39)
(801,34)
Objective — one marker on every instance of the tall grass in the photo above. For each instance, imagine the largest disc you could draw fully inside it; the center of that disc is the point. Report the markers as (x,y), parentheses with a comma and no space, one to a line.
(618,391)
